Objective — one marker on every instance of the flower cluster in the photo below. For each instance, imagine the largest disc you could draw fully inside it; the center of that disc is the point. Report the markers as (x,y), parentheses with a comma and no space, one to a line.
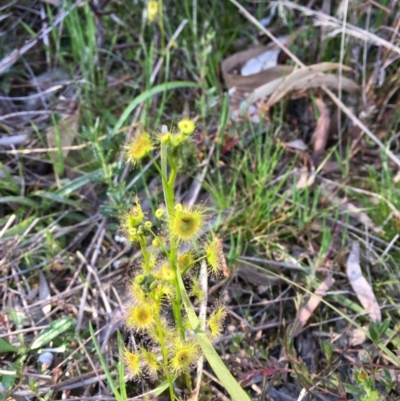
(173,349)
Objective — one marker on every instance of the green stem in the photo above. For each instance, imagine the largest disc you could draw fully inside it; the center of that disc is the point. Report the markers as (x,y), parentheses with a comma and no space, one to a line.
(168,193)
(164,352)
(169,196)
(144,253)
(174,173)
(161,22)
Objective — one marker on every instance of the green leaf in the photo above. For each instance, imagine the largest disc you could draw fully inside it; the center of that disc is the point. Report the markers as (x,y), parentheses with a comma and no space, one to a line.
(385,325)
(374,332)
(103,362)
(5,346)
(20,227)
(22,200)
(121,367)
(56,328)
(143,97)
(74,185)
(57,198)
(159,389)
(218,366)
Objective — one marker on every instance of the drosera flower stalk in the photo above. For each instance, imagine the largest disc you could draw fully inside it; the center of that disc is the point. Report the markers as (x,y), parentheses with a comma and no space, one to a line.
(150,362)
(138,147)
(132,364)
(215,255)
(185,355)
(171,346)
(215,322)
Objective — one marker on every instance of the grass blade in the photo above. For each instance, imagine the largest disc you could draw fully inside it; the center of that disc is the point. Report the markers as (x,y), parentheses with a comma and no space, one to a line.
(218,366)
(147,95)
(103,362)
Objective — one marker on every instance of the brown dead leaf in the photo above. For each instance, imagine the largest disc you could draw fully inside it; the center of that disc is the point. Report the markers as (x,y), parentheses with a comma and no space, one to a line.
(329,190)
(358,214)
(307,310)
(300,79)
(306,178)
(265,90)
(232,68)
(320,135)
(256,276)
(360,285)
(352,337)
(303,178)
(298,75)
(315,80)
(356,337)
(297,144)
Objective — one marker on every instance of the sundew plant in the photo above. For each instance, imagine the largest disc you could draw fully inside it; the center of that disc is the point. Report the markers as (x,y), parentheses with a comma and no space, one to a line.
(175,343)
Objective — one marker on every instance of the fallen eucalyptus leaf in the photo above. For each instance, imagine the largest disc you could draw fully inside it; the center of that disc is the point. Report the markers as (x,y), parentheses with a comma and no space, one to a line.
(360,285)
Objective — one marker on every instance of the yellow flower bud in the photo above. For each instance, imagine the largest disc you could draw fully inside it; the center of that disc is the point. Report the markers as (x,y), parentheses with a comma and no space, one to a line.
(186,126)
(152,10)
(159,213)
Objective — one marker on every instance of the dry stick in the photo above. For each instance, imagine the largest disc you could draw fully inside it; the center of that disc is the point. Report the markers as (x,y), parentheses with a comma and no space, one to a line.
(77,383)
(9,60)
(33,96)
(340,72)
(41,150)
(352,30)
(116,322)
(17,275)
(57,297)
(46,40)
(202,317)
(28,330)
(25,113)
(7,226)
(78,349)
(95,370)
(32,250)
(196,187)
(93,272)
(40,236)
(357,122)
(333,221)
(364,64)
(337,101)
(100,234)
(36,84)
(387,249)
(364,192)
(169,45)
